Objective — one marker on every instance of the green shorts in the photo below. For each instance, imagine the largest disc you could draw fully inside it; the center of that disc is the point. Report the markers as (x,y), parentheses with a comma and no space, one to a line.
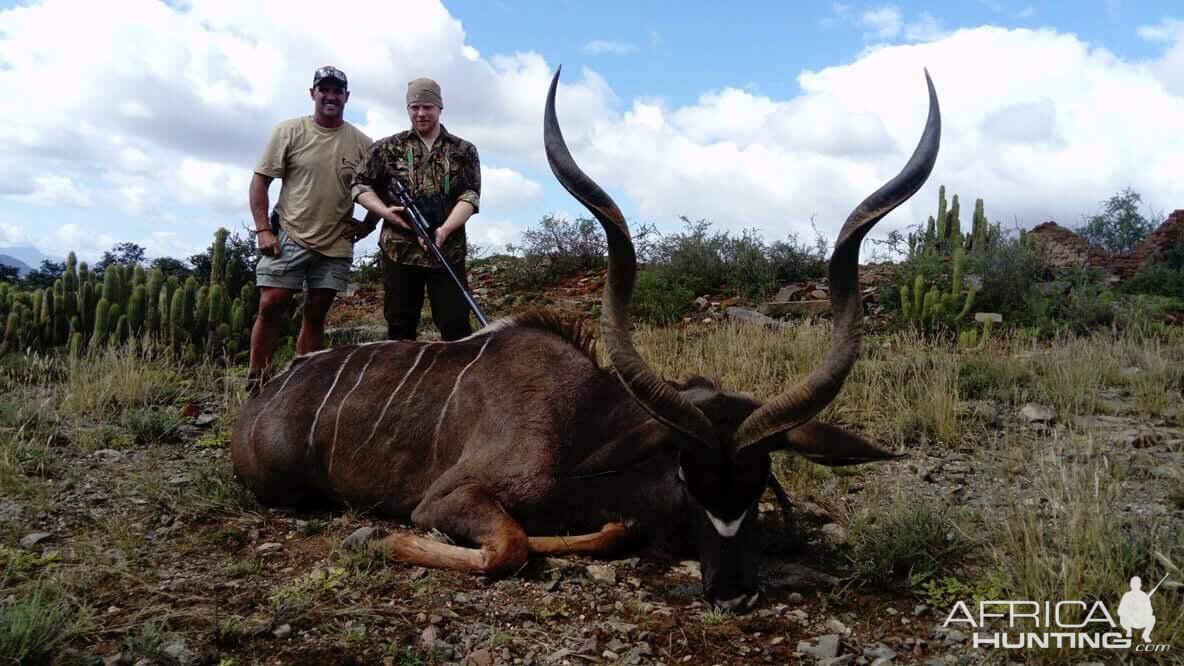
(298,265)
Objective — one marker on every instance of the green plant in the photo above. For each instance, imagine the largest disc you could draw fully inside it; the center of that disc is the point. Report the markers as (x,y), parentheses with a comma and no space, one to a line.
(150,425)
(1118,226)
(37,623)
(914,541)
(149,638)
(659,297)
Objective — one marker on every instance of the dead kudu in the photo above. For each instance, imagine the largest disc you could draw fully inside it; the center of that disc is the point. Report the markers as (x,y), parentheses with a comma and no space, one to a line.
(509,439)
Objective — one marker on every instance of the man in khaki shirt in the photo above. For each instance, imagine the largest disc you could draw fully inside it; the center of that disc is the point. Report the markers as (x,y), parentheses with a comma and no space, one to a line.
(315,157)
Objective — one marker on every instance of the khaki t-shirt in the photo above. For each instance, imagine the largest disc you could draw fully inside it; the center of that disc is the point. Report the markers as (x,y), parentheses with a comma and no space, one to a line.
(317,167)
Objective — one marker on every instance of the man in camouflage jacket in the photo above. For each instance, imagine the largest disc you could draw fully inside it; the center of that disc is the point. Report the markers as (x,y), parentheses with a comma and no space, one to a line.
(442,172)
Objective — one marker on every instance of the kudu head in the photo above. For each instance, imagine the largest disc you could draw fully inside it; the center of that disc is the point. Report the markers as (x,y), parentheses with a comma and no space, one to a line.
(725,439)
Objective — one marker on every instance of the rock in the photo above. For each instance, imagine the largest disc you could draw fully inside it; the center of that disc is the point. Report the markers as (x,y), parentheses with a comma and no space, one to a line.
(559,655)
(794,576)
(702,304)
(836,661)
(880,651)
(793,308)
(1034,413)
(482,657)
(823,647)
(30,541)
(689,568)
(796,598)
(837,627)
(359,537)
(205,420)
(787,293)
(610,655)
(834,534)
(282,631)
(269,547)
(177,652)
(753,317)
(819,294)
(107,455)
(1139,438)
(602,573)
(120,659)
(954,637)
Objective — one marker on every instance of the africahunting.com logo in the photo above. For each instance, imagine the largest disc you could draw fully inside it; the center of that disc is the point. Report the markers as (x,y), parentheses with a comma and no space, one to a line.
(1062,624)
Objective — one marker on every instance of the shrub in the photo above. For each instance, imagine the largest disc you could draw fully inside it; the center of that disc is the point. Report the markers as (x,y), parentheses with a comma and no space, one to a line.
(1119,226)
(659,297)
(37,626)
(151,426)
(912,542)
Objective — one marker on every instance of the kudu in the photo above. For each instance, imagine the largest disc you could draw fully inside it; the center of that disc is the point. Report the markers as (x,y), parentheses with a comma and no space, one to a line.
(515,436)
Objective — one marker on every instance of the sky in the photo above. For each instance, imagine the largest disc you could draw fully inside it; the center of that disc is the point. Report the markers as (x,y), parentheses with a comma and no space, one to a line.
(141,121)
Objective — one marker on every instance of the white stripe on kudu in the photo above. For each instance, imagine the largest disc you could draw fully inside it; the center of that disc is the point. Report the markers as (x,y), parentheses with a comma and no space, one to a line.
(341,406)
(392,396)
(317,416)
(451,394)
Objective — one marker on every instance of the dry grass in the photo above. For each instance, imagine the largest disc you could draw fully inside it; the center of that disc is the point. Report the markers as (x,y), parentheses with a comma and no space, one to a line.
(121,378)
(1073,541)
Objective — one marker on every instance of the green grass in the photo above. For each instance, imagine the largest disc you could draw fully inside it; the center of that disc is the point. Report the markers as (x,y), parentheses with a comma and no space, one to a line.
(913,540)
(38,623)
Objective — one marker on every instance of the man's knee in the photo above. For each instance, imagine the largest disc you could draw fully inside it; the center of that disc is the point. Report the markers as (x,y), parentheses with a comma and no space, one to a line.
(317,304)
(273,303)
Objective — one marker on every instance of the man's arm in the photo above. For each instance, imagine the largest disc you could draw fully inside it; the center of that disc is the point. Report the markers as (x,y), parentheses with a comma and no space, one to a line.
(264,238)
(469,200)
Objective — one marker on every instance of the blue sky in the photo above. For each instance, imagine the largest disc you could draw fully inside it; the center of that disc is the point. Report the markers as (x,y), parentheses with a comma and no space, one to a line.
(144,119)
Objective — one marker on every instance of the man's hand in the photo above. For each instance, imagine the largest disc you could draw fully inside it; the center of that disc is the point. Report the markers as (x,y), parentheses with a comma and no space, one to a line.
(441,235)
(268,244)
(355,231)
(393,215)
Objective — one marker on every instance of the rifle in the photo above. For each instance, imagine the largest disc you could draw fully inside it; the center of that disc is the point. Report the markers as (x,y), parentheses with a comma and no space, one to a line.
(399,195)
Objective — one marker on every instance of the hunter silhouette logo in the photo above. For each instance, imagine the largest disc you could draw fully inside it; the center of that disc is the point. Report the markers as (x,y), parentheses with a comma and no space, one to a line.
(1134,611)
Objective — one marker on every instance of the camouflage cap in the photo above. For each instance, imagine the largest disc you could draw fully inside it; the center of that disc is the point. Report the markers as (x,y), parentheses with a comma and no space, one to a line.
(331,73)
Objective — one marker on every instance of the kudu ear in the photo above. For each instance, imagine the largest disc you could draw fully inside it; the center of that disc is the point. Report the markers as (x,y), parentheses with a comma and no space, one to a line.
(625,450)
(828,445)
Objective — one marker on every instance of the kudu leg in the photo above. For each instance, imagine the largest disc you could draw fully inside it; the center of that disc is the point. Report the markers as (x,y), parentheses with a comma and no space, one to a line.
(610,538)
(471,514)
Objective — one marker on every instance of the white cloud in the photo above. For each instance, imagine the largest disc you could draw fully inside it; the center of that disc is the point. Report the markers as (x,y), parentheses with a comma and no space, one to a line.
(1038,123)
(884,22)
(926,28)
(221,187)
(506,189)
(599,46)
(57,191)
(173,103)
(88,244)
(11,234)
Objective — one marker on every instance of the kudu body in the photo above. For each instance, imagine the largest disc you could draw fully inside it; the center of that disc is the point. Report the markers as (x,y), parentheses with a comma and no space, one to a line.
(513,437)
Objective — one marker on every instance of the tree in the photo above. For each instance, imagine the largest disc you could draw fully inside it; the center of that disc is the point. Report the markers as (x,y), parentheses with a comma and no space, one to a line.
(1119,226)
(9,273)
(171,266)
(122,253)
(45,275)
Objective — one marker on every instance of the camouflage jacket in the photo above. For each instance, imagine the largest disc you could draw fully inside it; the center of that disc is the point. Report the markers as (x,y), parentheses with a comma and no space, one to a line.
(452,169)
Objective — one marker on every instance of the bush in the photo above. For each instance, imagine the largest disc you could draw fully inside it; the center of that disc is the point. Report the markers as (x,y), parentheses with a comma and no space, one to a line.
(556,248)
(912,542)
(1164,276)
(1009,267)
(659,297)
(706,262)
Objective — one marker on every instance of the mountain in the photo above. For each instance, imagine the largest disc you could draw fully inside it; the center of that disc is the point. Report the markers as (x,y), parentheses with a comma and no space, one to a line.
(24,257)
(21,266)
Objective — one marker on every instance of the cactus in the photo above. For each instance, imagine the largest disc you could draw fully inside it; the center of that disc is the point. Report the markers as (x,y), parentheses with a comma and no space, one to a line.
(61,323)
(152,304)
(12,330)
(75,347)
(135,309)
(188,303)
(121,329)
(176,321)
(99,336)
(87,296)
(218,264)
